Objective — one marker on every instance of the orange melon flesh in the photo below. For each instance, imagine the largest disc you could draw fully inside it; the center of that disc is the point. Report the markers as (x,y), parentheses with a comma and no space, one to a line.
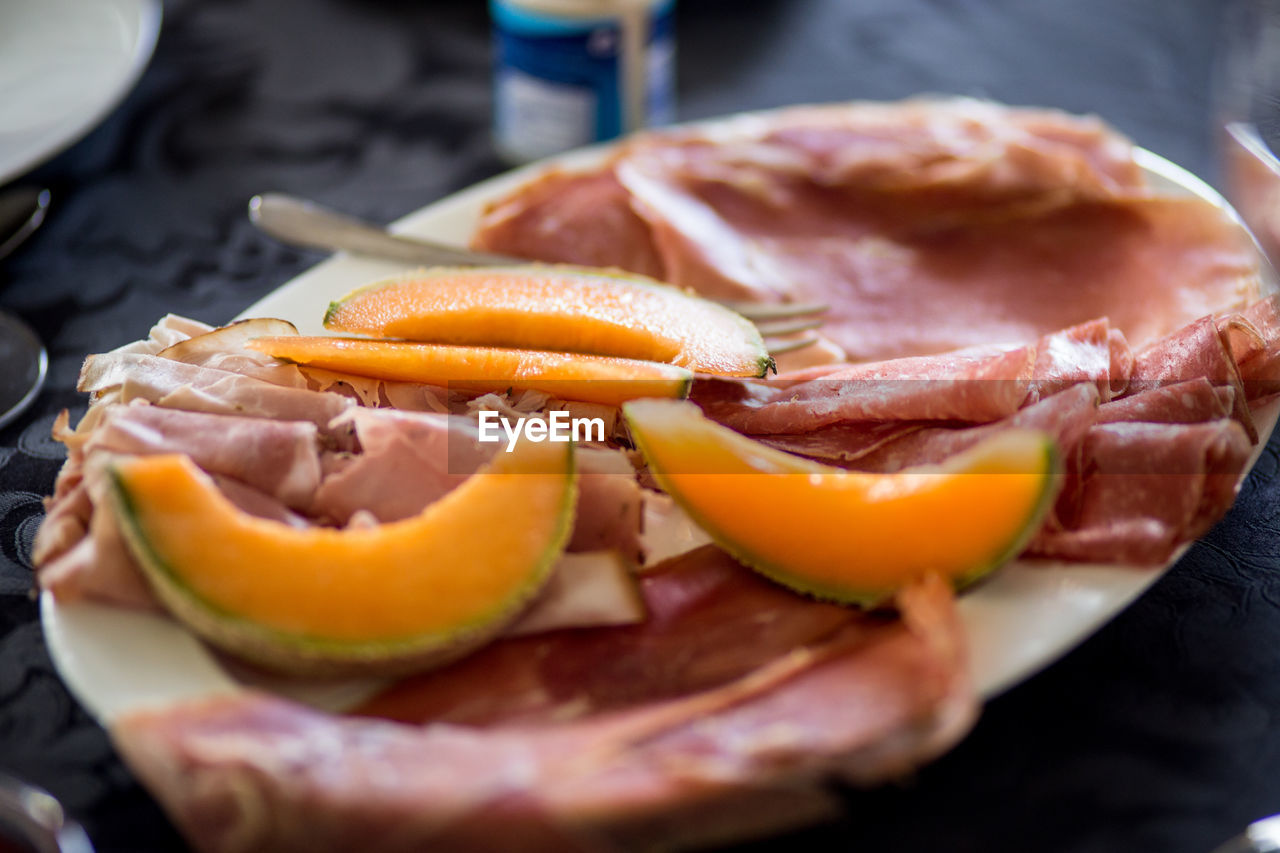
(848,536)
(313,600)
(566,376)
(556,308)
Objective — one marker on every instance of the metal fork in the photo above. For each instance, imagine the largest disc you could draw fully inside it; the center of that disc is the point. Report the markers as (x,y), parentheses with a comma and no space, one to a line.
(299,222)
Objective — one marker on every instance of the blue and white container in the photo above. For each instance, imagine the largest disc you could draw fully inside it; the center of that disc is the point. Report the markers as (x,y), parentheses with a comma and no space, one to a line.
(572,72)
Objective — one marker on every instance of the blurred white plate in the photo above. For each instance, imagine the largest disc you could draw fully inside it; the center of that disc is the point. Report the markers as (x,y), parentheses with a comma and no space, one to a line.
(1018,621)
(64,65)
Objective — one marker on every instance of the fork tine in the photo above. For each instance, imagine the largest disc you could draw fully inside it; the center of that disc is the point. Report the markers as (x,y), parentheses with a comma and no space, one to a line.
(780,347)
(778,329)
(761,311)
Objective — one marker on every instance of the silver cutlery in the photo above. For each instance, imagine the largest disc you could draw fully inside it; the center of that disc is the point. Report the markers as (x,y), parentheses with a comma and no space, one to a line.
(23,359)
(299,222)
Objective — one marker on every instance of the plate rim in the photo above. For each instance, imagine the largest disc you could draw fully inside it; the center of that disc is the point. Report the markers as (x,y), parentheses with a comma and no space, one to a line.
(73,631)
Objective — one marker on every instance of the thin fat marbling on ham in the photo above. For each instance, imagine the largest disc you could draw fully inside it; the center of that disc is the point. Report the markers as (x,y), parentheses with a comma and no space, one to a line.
(866,702)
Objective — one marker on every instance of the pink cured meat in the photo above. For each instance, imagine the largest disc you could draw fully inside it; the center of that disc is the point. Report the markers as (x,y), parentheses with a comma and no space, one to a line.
(1197,350)
(177,385)
(959,387)
(277,457)
(425,455)
(1193,401)
(958,238)
(1146,488)
(710,621)
(1260,370)
(580,219)
(975,385)
(843,444)
(746,756)
(1066,416)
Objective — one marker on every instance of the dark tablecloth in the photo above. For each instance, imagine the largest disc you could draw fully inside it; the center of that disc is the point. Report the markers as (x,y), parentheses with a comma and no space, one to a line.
(1158,733)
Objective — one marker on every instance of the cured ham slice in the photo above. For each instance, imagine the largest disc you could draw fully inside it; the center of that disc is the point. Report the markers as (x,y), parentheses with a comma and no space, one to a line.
(277,457)
(961,387)
(1146,488)
(581,219)
(867,702)
(1067,416)
(710,621)
(973,385)
(407,460)
(1197,350)
(177,385)
(927,226)
(1193,401)
(1260,367)
(843,444)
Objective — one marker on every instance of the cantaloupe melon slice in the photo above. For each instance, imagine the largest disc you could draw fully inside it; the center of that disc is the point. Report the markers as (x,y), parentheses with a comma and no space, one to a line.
(559,308)
(566,376)
(391,598)
(842,535)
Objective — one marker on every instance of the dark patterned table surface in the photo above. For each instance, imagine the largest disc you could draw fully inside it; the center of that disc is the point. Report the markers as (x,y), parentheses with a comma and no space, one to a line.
(1159,733)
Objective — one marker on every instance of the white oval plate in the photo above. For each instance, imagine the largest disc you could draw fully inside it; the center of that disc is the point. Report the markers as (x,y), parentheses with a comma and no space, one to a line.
(1018,621)
(65,64)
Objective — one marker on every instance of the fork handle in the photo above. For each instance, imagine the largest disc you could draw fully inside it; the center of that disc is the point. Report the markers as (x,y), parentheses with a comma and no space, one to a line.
(304,223)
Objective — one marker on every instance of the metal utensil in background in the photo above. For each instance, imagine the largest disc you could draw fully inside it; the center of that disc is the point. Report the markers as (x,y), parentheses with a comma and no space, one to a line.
(299,222)
(23,360)
(32,820)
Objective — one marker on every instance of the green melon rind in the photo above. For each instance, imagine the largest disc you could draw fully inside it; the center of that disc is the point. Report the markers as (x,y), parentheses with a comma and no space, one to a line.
(862,598)
(306,655)
(753,350)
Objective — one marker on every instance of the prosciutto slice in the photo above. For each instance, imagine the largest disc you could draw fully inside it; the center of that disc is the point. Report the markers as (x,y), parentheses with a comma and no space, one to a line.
(1066,416)
(177,385)
(279,458)
(1197,350)
(1146,488)
(740,753)
(973,385)
(927,226)
(1192,401)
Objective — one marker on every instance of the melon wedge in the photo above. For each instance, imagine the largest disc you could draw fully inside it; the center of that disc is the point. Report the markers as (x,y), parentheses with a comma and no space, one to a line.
(392,598)
(848,536)
(556,308)
(566,376)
